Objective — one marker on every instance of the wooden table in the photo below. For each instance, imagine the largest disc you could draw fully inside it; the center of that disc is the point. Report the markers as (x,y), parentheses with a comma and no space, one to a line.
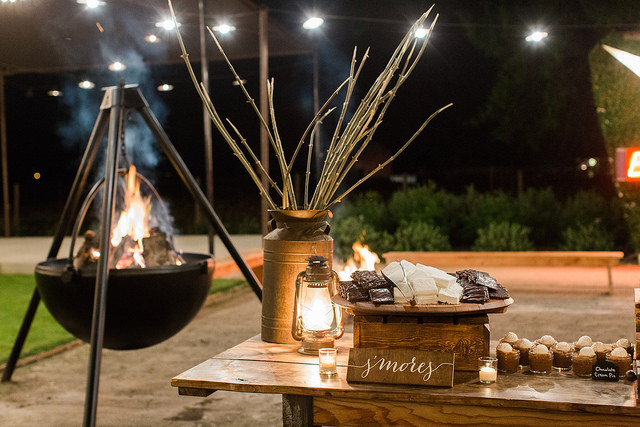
(517,399)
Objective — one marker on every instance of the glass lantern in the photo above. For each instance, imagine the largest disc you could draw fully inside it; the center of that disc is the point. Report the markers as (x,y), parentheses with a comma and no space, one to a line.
(317,321)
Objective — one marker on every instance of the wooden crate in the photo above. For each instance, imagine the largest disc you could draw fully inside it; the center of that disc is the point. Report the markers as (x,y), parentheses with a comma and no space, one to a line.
(466,336)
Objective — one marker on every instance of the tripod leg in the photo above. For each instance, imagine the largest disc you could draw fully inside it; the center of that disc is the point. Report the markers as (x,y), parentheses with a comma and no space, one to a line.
(66,219)
(102,269)
(197,193)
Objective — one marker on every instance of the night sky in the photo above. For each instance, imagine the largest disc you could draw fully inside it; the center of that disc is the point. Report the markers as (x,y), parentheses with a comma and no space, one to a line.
(47,135)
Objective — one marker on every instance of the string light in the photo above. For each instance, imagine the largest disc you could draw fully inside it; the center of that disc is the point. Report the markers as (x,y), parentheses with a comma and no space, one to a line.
(86,84)
(224,28)
(312,23)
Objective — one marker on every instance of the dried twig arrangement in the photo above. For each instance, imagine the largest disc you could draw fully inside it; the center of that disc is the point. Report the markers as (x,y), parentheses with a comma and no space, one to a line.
(348,141)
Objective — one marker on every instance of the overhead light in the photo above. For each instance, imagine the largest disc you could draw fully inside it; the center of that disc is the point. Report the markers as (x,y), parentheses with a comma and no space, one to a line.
(152,38)
(167,24)
(54,93)
(224,28)
(165,87)
(421,33)
(537,36)
(117,66)
(91,4)
(86,84)
(313,22)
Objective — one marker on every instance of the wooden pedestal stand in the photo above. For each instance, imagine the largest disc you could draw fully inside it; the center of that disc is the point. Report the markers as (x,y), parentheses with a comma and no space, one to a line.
(461,328)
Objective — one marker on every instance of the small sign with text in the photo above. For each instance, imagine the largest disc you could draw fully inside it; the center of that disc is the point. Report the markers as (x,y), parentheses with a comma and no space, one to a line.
(401,366)
(605,371)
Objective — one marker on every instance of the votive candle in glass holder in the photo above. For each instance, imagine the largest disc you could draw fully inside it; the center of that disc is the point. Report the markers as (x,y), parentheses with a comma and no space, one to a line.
(328,361)
(487,370)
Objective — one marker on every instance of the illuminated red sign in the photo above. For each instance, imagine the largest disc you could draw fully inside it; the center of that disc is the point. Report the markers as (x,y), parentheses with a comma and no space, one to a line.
(628,164)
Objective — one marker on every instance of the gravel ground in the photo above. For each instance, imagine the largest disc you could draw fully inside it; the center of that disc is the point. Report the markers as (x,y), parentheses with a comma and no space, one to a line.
(135,385)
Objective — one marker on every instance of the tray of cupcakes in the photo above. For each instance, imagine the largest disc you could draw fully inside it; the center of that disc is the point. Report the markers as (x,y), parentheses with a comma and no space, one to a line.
(545,355)
(404,288)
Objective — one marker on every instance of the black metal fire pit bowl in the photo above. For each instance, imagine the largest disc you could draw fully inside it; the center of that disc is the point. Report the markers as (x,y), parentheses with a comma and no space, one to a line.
(144,305)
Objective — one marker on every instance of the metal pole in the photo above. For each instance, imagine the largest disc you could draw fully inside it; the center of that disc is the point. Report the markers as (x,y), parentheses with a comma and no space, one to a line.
(206,120)
(102,272)
(263,37)
(5,167)
(317,149)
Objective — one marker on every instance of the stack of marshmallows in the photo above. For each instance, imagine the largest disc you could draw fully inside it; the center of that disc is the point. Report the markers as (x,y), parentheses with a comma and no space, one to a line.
(420,284)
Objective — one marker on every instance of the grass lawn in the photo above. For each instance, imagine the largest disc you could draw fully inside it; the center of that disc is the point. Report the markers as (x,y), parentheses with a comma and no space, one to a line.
(45,333)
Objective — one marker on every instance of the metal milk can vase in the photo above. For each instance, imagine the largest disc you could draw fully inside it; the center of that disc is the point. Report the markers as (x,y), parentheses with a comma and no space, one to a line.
(297,234)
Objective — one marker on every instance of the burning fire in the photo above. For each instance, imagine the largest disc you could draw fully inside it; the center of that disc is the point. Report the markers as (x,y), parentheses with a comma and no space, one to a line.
(363,259)
(133,222)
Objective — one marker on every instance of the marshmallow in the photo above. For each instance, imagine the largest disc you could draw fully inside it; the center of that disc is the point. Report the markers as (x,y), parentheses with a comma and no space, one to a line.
(584,341)
(623,342)
(421,284)
(510,337)
(504,347)
(442,279)
(540,349)
(587,351)
(394,273)
(619,352)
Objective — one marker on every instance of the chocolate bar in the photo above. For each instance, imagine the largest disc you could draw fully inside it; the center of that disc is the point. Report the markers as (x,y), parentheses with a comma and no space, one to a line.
(475,294)
(499,293)
(381,296)
(351,292)
(369,279)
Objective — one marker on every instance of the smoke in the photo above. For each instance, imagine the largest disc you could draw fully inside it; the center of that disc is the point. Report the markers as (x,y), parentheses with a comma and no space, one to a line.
(120,42)
(83,105)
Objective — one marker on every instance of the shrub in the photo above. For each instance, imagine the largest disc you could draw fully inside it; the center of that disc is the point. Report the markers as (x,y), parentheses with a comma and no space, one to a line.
(426,204)
(539,209)
(584,207)
(369,207)
(345,231)
(420,236)
(503,236)
(586,237)
(479,210)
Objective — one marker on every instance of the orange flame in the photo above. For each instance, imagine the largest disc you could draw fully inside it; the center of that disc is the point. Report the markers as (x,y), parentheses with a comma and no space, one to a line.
(363,259)
(133,222)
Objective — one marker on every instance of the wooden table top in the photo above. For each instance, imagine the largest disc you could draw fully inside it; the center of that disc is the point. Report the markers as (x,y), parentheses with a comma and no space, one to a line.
(260,367)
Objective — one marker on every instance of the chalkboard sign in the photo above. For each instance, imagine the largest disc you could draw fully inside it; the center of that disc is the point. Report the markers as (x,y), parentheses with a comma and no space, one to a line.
(400,366)
(605,371)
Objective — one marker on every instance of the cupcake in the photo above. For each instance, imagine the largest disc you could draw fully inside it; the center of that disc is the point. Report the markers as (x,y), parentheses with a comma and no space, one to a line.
(562,353)
(624,343)
(511,338)
(524,345)
(601,350)
(583,341)
(508,358)
(621,359)
(583,361)
(546,340)
(540,359)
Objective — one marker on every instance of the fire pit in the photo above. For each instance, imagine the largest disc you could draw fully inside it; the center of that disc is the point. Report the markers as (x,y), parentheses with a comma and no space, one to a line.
(153,291)
(144,305)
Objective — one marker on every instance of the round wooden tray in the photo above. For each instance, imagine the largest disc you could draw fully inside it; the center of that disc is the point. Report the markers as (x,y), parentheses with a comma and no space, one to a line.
(493,306)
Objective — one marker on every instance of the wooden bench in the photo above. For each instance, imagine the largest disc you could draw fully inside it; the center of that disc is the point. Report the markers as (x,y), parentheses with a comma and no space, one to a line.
(226,266)
(606,259)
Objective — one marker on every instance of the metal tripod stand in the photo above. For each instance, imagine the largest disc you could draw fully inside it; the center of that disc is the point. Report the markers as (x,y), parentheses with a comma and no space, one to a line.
(112,111)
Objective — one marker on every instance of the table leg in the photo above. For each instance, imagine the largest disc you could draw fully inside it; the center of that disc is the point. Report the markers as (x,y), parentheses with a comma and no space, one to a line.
(297,411)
